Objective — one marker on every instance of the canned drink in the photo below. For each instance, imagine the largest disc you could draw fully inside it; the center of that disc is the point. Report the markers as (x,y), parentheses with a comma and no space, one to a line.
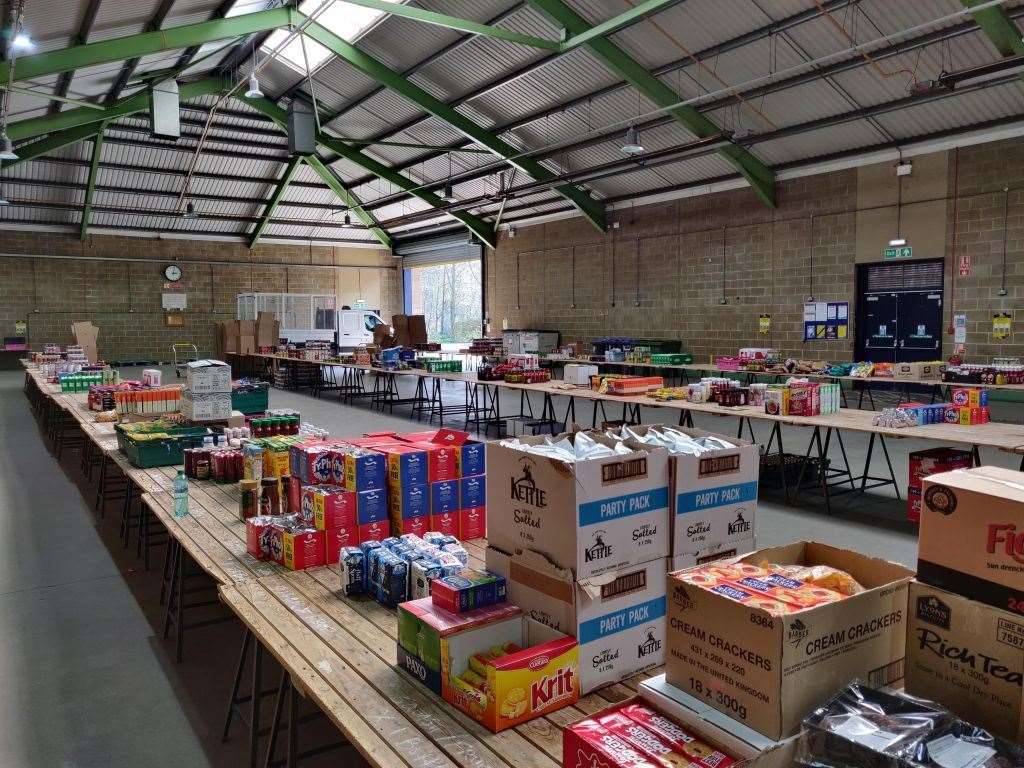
(353,571)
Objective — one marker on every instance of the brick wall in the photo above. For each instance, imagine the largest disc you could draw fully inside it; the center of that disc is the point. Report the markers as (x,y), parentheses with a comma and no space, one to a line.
(677,288)
(56,286)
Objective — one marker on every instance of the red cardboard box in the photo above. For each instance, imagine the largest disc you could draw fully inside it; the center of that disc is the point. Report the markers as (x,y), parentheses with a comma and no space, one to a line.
(376,531)
(255,530)
(325,507)
(473,523)
(931,462)
(442,461)
(338,538)
(303,549)
(447,523)
(417,525)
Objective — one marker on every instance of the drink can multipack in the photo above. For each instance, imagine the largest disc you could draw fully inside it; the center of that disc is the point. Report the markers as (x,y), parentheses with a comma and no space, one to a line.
(352,563)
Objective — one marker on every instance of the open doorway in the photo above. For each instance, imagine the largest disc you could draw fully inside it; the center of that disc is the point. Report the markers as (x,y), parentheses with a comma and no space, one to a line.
(449,297)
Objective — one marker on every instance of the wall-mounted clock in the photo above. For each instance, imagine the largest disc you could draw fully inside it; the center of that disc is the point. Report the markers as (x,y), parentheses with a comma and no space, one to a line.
(172,272)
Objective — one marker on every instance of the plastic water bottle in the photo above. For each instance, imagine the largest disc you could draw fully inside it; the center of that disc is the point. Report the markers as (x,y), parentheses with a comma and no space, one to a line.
(181,494)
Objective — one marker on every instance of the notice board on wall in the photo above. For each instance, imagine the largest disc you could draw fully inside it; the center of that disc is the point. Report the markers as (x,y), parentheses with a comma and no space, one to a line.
(826,320)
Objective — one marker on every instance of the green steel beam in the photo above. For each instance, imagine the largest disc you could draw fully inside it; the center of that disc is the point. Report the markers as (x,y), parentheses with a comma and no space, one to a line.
(453,22)
(139,102)
(591,208)
(761,177)
(275,199)
(997,25)
(134,46)
(349,200)
(616,23)
(475,224)
(51,143)
(97,149)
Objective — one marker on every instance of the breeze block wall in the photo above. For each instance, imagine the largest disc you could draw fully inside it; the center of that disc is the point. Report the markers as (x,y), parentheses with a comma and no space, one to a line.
(703,269)
(50,280)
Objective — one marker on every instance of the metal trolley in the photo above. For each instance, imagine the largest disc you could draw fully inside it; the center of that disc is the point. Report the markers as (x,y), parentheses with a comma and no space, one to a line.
(183,354)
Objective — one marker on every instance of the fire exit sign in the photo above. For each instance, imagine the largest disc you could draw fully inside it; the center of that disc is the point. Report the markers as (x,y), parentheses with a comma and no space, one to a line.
(904,252)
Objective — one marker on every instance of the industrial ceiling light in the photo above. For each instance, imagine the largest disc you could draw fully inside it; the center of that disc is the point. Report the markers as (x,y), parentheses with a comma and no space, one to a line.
(3,199)
(190,211)
(448,193)
(898,242)
(632,145)
(6,147)
(254,91)
(347,221)
(22,42)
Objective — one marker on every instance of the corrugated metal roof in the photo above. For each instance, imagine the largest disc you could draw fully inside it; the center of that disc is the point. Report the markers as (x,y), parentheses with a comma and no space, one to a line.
(244,153)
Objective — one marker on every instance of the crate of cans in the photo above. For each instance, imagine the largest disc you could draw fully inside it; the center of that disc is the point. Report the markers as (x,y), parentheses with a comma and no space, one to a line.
(372,567)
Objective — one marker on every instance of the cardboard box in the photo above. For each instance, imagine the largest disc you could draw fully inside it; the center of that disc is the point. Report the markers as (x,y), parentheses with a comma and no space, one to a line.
(371,506)
(406,465)
(303,549)
(931,462)
(470,458)
(769,671)
(444,497)
(713,553)
(592,516)
(199,407)
(472,523)
(400,324)
(208,377)
(415,525)
(337,539)
(473,491)
(971,540)
(435,647)
(376,531)
(417,329)
(247,345)
(325,507)
(268,330)
(714,496)
(448,523)
(618,618)
(919,371)
(575,373)
(717,729)
(968,657)
(86,335)
(408,501)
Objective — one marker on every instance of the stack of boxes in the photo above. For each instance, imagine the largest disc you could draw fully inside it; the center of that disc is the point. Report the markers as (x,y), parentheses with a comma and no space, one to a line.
(965,640)
(931,462)
(969,406)
(207,395)
(583,547)
(803,398)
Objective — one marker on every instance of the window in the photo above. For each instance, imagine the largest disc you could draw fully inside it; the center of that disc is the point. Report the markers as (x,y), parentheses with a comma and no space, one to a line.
(371,322)
(349,22)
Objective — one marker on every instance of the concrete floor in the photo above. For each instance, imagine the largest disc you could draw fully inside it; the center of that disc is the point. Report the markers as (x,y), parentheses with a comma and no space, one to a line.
(88,680)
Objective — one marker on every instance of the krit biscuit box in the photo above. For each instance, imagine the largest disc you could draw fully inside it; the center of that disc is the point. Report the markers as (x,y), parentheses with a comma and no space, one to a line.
(618,618)
(494,664)
(714,496)
(971,540)
(591,516)
(967,656)
(769,671)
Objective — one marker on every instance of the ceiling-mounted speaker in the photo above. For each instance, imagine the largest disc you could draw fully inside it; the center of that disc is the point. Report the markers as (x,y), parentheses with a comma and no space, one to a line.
(301,128)
(165,110)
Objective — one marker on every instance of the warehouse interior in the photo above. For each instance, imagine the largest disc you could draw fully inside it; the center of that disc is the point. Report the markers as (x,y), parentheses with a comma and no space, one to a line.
(541,217)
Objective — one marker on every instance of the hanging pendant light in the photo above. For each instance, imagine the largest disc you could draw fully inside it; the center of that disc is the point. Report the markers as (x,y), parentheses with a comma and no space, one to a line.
(632,145)
(347,221)
(190,211)
(6,148)
(448,194)
(254,91)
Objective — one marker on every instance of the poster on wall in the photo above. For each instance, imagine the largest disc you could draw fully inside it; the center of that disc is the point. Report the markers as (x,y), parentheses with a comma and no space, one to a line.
(959,329)
(1001,325)
(764,324)
(826,320)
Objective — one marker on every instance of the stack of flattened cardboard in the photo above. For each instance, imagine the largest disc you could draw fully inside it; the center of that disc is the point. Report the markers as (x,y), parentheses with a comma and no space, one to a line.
(268,330)
(85,334)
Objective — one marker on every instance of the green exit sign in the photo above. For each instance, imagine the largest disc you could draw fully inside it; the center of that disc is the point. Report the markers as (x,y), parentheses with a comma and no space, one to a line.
(904,252)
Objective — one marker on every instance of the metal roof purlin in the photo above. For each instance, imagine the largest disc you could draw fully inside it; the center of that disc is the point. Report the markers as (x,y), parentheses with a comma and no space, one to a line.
(129,67)
(275,199)
(475,224)
(591,208)
(614,24)
(88,18)
(97,149)
(760,177)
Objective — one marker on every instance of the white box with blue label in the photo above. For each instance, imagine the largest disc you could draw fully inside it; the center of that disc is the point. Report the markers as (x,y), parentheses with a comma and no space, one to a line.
(714,496)
(591,516)
(618,617)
